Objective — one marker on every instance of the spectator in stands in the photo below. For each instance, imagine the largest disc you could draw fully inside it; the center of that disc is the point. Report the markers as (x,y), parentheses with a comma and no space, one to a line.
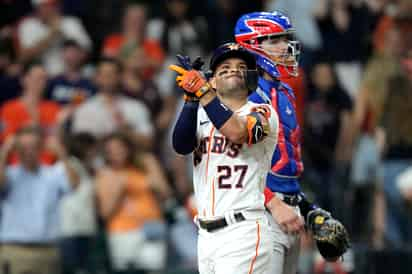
(30,194)
(133,37)
(136,230)
(398,155)
(41,36)
(30,108)
(374,88)
(71,86)
(178,31)
(110,111)
(395,15)
(136,86)
(368,137)
(326,128)
(303,15)
(347,25)
(77,209)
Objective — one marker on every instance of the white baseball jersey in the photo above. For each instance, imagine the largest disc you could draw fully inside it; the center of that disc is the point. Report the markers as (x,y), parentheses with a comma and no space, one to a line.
(230,176)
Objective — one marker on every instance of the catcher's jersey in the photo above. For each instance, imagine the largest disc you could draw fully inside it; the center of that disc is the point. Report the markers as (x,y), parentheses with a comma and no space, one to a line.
(287,164)
(230,176)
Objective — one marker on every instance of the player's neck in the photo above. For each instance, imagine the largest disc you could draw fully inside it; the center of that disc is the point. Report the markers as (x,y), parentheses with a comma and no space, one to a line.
(234,103)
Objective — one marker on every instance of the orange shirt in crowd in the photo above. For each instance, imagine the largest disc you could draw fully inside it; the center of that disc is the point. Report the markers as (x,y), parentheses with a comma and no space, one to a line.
(14,115)
(385,23)
(138,205)
(151,48)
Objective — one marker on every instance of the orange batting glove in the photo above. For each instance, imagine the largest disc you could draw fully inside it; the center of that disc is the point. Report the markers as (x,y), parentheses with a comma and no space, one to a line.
(192,81)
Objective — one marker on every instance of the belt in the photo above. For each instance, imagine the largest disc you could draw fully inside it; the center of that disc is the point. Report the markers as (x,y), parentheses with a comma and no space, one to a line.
(290,199)
(211,226)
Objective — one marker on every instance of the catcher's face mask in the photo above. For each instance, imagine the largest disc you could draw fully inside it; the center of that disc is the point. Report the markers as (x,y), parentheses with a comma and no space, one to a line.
(283,50)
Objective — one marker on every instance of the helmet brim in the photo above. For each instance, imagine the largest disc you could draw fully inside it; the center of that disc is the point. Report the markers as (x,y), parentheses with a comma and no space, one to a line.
(241,54)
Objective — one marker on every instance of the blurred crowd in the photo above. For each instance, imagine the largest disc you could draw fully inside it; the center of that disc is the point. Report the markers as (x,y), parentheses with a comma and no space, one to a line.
(88,180)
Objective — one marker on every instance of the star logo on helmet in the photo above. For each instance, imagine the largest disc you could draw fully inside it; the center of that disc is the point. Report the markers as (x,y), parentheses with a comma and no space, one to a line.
(234,47)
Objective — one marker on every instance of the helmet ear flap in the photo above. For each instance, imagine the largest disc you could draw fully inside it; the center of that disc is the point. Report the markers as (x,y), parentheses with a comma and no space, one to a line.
(208,74)
(251,80)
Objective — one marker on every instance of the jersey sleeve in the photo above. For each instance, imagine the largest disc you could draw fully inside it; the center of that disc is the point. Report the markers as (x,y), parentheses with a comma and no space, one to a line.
(259,123)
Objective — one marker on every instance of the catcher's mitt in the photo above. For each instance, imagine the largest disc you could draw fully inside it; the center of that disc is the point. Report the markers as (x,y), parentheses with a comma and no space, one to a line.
(330,235)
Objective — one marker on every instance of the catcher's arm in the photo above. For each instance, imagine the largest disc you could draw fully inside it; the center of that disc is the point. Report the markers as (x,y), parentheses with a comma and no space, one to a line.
(287,218)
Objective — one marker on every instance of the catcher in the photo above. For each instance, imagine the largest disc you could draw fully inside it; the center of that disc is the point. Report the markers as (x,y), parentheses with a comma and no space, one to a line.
(269,36)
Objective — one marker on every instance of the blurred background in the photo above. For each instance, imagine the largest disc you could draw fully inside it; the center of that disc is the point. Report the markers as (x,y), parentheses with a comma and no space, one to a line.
(88,180)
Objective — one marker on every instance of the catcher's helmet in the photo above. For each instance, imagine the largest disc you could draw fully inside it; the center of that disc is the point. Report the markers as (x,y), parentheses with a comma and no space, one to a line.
(252,28)
(230,50)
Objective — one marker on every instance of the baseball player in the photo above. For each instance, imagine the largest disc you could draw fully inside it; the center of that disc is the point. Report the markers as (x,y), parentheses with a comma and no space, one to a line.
(269,36)
(232,140)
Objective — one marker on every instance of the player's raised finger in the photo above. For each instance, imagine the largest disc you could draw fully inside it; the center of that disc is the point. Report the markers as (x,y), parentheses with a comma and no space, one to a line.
(178,69)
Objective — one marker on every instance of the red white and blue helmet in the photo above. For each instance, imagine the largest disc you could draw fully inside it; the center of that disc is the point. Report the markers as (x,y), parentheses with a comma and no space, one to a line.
(252,28)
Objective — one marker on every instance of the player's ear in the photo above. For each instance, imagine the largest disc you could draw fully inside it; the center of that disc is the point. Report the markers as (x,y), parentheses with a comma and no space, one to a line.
(212,82)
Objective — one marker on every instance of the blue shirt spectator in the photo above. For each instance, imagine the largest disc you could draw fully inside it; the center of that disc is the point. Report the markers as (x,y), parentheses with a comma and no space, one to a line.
(71,86)
(63,90)
(31,191)
(29,207)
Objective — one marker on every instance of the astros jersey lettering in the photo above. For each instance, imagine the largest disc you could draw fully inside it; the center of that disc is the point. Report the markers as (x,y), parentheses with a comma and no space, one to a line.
(230,176)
